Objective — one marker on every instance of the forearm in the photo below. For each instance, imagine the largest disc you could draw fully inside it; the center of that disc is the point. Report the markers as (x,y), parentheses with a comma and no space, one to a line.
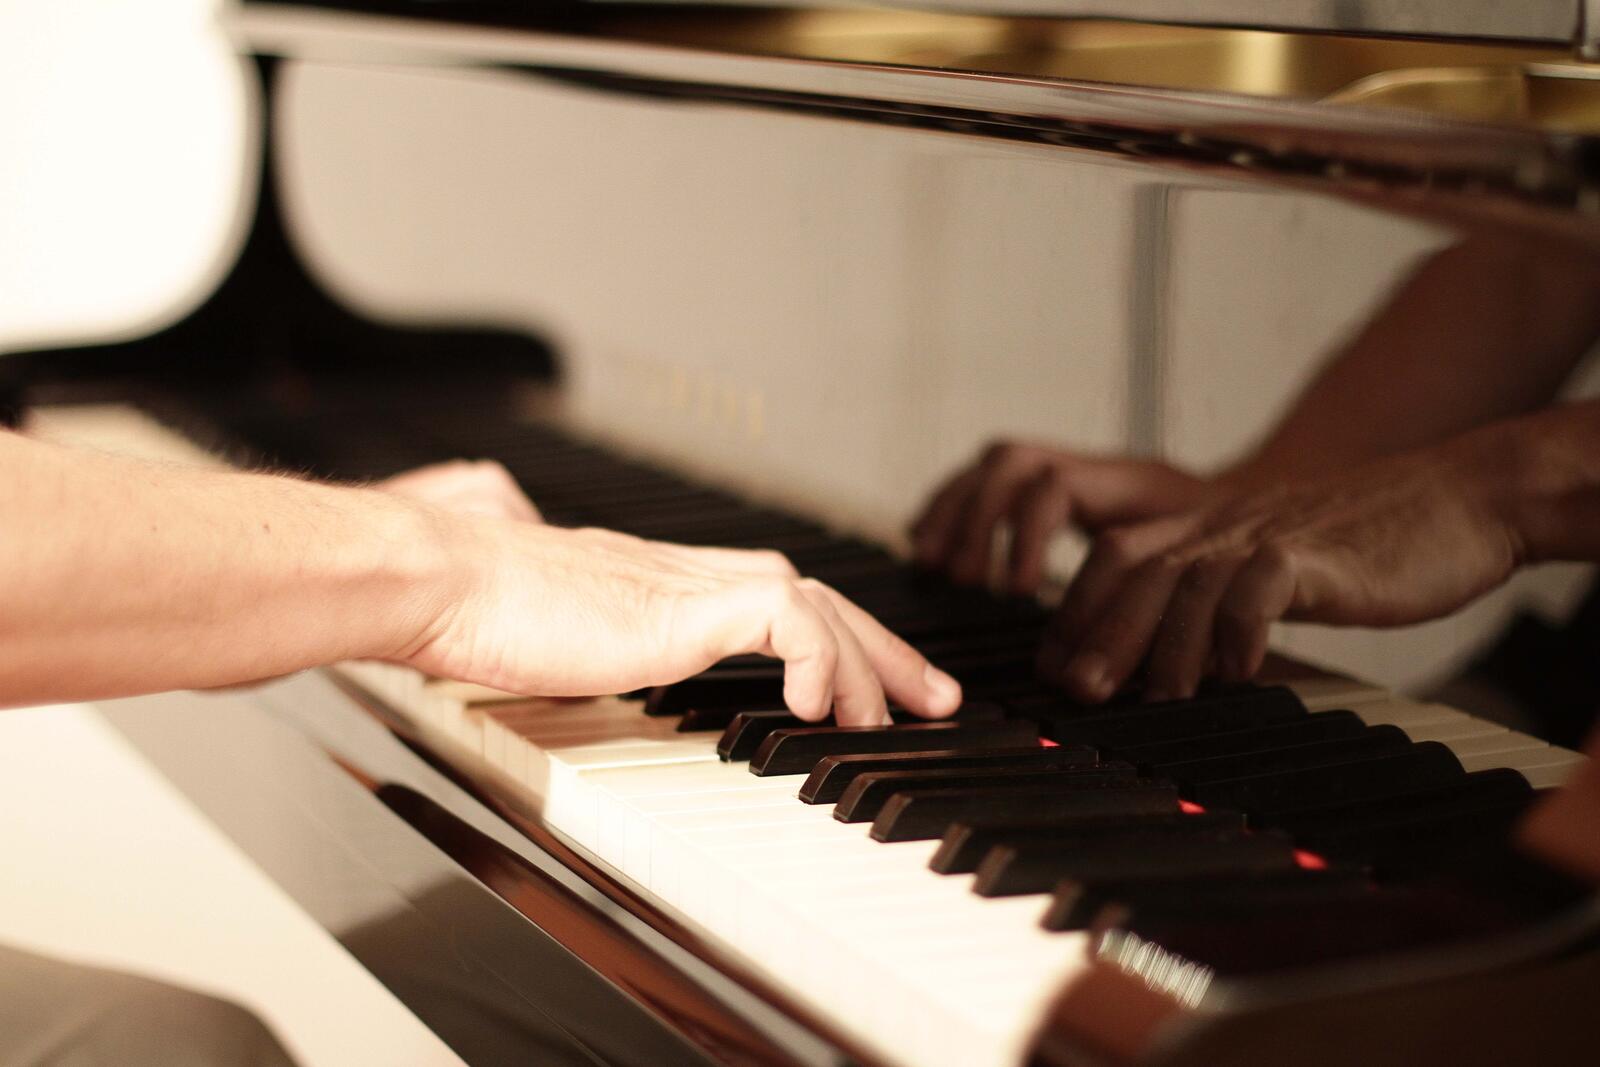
(118,576)
(1483,331)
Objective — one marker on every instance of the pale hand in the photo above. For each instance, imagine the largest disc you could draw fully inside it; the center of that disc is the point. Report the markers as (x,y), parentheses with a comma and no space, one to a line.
(556,612)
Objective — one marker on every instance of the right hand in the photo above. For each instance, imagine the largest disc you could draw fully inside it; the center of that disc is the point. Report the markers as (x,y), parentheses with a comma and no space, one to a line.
(1036,490)
(547,611)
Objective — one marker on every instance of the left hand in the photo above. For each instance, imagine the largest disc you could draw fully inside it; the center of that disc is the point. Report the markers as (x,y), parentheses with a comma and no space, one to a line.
(1398,541)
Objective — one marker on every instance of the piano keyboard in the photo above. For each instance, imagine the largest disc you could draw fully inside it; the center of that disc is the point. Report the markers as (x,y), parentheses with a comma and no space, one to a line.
(933,915)
(940,886)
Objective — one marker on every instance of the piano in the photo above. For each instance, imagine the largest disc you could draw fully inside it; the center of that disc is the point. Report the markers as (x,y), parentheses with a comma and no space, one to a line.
(755,276)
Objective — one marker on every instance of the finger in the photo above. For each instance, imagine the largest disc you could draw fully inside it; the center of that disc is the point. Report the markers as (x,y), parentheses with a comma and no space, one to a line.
(906,675)
(1114,643)
(1261,593)
(969,563)
(934,533)
(773,617)
(1039,509)
(1182,646)
(1113,556)
(857,694)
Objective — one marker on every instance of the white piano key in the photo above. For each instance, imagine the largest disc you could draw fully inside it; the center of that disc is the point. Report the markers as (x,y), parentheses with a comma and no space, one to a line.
(1455,732)
(1555,772)
(1327,694)
(1404,713)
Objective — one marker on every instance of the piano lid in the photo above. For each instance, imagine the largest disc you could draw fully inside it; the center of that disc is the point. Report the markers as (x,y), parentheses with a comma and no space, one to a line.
(1572,22)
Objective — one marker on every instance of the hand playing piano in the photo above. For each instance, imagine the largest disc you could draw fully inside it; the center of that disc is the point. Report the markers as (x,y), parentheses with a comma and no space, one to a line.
(1393,542)
(559,612)
(1035,490)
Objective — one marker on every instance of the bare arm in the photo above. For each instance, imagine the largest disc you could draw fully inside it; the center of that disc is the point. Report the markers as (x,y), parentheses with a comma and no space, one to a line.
(119,576)
(1485,330)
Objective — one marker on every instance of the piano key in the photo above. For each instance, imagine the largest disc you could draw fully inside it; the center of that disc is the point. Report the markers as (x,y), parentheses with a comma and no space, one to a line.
(1322,726)
(1375,741)
(1289,937)
(927,813)
(1403,713)
(704,719)
(833,774)
(965,843)
(1428,763)
(751,688)
(1470,792)
(796,751)
(1146,723)
(1552,771)
(748,730)
(865,797)
(1008,870)
(1076,905)
(1417,844)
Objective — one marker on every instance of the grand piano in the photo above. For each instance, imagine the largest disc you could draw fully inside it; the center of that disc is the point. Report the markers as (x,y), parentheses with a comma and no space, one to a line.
(757,276)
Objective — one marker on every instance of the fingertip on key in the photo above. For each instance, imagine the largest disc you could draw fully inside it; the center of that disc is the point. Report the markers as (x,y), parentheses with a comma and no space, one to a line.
(944,692)
(1089,676)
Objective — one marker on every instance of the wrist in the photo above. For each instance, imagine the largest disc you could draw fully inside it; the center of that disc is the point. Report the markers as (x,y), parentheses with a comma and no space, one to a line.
(1539,478)
(422,571)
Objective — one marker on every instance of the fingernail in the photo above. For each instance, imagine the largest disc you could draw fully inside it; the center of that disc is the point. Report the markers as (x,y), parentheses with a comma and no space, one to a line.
(945,690)
(1091,675)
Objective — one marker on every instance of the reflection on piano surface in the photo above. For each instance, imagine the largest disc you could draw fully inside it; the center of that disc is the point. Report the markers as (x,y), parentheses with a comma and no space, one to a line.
(1014,224)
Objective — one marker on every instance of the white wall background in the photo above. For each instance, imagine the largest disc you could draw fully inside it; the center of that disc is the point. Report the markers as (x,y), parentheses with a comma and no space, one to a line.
(126,142)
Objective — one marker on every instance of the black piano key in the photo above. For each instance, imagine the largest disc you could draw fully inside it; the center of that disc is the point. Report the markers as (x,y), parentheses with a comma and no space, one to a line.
(1470,792)
(759,687)
(1372,742)
(1426,764)
(1077,905)
(865,797)
(966,843)
(1008,870)
(1319,726)
(748,729)
(1409,844)
(1146,723)
(756,688)
(1289,937)
(924,814)
(796,751)
(833,775)
(703,719)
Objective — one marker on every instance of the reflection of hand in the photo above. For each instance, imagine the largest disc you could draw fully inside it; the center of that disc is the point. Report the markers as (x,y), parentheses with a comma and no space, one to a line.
(1037,490)
(481,487)
(1395,542)
(541,610)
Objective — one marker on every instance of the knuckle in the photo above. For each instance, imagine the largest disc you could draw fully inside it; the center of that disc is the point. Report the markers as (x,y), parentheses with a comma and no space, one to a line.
(810,586)
(1171,561)
(1119,546)
(778,562)
(1276,554)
